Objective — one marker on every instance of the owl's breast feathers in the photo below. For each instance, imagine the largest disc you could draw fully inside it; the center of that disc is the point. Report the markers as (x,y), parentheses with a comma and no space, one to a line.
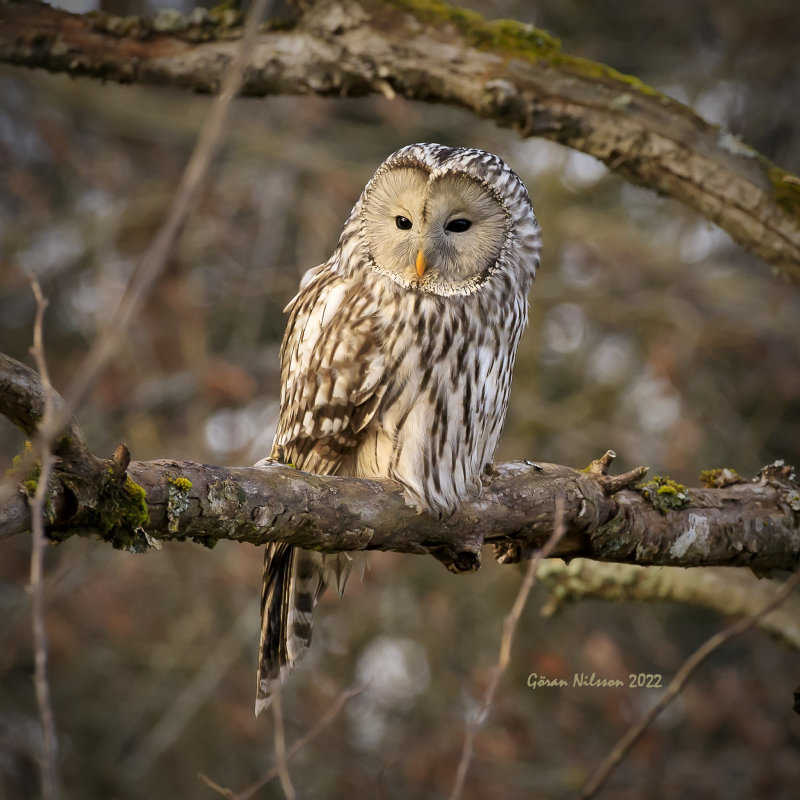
(381,382)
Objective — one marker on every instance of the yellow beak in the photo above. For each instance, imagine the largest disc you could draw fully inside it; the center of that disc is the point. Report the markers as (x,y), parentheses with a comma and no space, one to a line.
(421,263)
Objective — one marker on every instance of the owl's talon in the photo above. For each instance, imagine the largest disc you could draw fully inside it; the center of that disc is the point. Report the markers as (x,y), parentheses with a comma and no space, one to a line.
(458,562)
(507,552)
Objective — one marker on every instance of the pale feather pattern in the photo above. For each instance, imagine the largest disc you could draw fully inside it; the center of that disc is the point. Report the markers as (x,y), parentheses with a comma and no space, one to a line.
(386,373)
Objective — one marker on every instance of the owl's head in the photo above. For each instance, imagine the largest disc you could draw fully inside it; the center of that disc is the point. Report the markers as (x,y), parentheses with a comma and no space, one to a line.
(443,219)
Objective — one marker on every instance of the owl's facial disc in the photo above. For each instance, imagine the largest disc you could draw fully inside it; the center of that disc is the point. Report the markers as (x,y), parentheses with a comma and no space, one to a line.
(392,214)
(464,230)
(433,232)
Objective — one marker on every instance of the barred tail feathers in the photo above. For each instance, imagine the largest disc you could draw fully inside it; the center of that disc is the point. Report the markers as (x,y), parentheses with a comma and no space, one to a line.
(293,581)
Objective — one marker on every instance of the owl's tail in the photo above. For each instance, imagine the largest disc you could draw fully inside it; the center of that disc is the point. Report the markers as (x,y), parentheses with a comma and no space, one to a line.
(293,581)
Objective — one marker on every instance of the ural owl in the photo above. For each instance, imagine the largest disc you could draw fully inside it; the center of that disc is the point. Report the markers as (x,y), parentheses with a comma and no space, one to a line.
(397,357)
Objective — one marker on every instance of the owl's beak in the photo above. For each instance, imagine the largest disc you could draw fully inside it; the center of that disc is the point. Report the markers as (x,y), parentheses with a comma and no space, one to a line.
(421,263)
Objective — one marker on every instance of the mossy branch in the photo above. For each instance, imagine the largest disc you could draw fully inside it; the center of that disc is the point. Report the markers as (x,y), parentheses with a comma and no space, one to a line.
(427,50)
(133,504)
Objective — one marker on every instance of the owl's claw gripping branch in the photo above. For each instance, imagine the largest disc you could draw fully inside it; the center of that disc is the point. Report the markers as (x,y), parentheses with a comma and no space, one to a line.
(508,552)
(465,559)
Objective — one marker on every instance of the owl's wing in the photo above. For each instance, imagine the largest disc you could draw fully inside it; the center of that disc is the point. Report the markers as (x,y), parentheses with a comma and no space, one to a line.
(332,373)
(332,382)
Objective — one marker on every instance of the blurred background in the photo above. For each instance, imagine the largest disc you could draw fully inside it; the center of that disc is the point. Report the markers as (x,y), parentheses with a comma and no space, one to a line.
(651,333)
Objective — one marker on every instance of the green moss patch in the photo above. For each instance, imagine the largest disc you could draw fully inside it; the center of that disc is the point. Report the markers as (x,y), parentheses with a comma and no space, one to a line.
(786,189)
(177,501)
(16,462)
(507,35)
(720,477)
(518,40)
(665,494)
(121,514)
(29,482)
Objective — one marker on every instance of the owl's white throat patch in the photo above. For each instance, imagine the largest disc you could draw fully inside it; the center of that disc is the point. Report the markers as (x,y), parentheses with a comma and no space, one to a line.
(431,283)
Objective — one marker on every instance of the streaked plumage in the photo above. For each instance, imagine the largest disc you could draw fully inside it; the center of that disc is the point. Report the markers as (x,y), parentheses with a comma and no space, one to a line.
(398,354)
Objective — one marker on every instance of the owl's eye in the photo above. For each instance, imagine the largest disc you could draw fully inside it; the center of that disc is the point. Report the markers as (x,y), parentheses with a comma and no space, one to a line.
(404,223)
(458,225)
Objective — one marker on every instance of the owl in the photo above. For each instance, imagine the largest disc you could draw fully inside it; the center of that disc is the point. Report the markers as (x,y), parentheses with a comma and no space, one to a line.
(397,357)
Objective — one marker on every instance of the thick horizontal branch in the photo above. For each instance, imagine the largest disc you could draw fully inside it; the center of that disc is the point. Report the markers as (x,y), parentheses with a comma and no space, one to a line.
(749,524)
(133,504)
(426,50)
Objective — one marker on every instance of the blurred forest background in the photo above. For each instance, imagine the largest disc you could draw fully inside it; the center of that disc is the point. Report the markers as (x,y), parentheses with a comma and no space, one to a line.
(651,334)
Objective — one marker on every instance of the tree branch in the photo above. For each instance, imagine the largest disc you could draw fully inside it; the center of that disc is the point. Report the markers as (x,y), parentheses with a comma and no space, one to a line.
(734,592)
(23,400)
(49,750)
(746,524)
(426,50)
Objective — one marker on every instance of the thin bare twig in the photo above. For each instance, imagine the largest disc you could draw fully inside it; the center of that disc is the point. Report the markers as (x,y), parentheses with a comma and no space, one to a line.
(323,723)
(280,748)
(509,627)
(105,346)
(44,446)
(154,259)
(225,792)
(626,743)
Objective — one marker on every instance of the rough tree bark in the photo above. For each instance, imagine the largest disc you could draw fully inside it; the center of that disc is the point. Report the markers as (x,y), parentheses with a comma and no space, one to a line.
(426,50)
(134,504)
